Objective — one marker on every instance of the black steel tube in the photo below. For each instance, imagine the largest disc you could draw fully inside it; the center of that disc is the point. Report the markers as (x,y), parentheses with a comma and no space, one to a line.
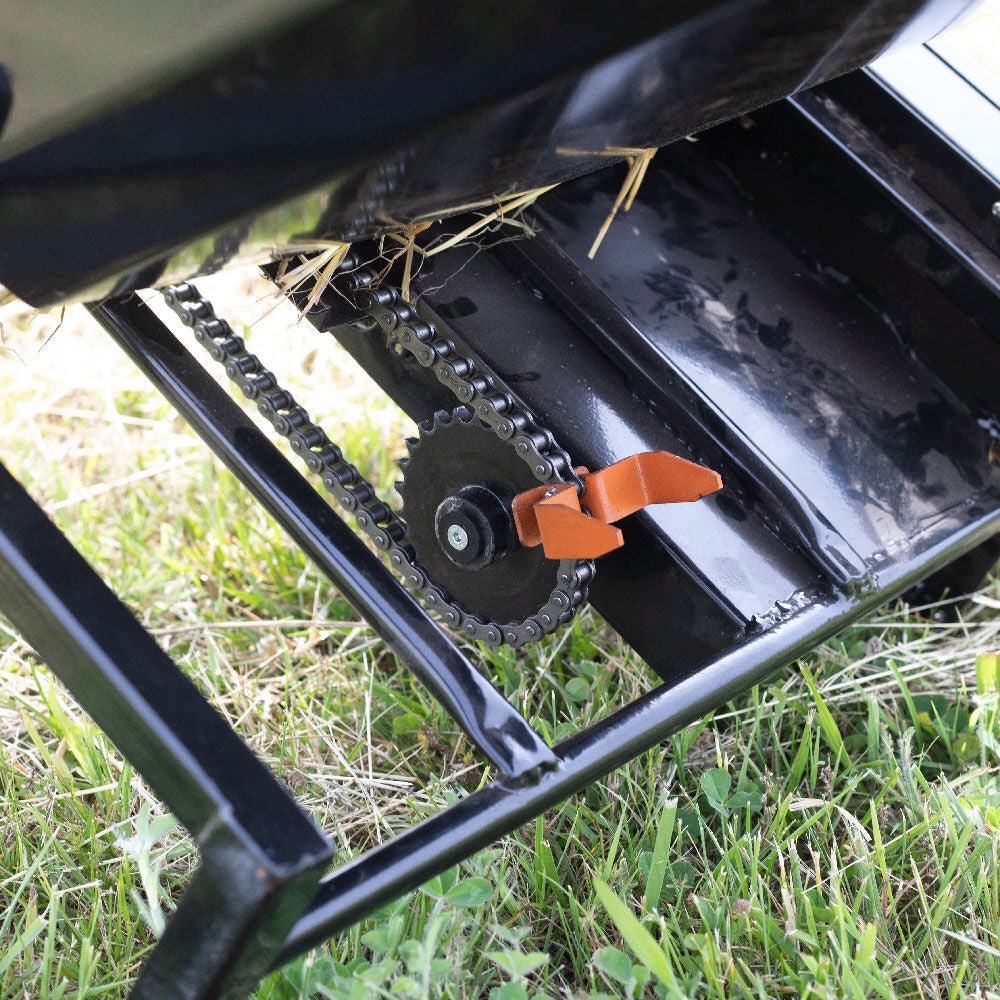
(262,856)
(489,720)
(356,889)
(151,711)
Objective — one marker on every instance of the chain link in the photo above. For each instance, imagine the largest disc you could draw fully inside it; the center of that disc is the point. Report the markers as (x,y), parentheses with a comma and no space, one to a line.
(482,392)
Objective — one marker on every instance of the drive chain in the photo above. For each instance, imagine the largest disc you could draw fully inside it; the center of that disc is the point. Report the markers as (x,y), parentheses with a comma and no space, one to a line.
(481,392)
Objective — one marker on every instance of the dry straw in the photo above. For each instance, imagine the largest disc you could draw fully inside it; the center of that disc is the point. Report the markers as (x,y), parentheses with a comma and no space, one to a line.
(638,163)
(318,260)
(318,263)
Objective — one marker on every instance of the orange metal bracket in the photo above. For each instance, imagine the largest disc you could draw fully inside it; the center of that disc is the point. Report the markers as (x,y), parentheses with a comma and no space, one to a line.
(569,526)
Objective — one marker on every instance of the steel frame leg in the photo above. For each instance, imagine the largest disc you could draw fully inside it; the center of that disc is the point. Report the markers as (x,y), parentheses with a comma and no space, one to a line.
(262,856)
(491,722)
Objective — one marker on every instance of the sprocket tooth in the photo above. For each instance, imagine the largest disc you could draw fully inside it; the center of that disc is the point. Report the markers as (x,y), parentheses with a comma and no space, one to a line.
(403,463)
(412,443)
(399,487)
(464,414)
(442,417)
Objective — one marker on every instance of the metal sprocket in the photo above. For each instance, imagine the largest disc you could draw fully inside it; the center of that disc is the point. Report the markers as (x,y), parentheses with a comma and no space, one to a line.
(455,451)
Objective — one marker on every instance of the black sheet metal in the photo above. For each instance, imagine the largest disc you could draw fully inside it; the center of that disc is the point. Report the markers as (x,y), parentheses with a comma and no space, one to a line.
(790,371)
(356,117)
(719,321)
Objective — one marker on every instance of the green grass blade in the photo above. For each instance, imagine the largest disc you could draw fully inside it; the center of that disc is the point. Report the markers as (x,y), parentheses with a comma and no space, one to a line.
(661,850)
(642,943)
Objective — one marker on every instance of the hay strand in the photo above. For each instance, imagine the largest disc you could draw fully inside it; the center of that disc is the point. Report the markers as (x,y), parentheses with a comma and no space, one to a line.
(638,163)
(320,260)
(411,234)
(520,201)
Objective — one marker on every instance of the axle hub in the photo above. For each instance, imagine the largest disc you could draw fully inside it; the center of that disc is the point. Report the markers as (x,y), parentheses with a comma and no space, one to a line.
(475,527)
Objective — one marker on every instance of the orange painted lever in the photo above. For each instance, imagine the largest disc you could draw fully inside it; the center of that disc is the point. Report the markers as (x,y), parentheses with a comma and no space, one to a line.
(554,516)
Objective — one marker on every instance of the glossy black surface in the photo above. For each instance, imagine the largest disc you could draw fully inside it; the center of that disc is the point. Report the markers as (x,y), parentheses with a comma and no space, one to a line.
(474,525)
(644,590)
(767,354)
(261,855)
(691,576)
(769,332)
(365,110)
(494,726)
(926,202)
(957,97)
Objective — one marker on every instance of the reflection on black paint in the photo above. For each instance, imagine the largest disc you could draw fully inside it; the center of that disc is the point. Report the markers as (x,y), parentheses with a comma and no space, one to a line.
(799,368)
(6,96)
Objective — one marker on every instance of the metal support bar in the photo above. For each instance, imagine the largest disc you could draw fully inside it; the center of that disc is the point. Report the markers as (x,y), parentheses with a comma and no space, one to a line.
(405,862)
(892,175)
(221,939)
(262,856)
(490,721)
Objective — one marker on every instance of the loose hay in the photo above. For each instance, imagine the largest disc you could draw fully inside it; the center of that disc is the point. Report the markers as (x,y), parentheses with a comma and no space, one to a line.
(319,261)
(638,164)
(510,208)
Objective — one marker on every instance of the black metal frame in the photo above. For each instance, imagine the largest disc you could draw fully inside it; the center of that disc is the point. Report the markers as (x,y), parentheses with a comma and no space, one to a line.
(258,899)
(203,148)
(501,734)
(261,896)
(262,856)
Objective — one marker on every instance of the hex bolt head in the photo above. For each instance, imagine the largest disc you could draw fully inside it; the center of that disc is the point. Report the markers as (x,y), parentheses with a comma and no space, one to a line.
(474,527)
(458,537)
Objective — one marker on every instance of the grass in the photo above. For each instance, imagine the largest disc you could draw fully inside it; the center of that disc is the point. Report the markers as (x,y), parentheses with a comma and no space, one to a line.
(832,834)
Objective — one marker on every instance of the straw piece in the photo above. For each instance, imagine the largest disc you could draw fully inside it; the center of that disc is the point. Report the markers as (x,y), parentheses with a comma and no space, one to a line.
(411,235)
(519,201)
(633,172)
(441,213)
(637,166)
(327,256)
(319,259)
(626,152)
(646,159)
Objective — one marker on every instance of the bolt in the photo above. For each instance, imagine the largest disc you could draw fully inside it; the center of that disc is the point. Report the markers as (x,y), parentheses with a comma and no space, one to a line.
(458,537)
(995,209)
